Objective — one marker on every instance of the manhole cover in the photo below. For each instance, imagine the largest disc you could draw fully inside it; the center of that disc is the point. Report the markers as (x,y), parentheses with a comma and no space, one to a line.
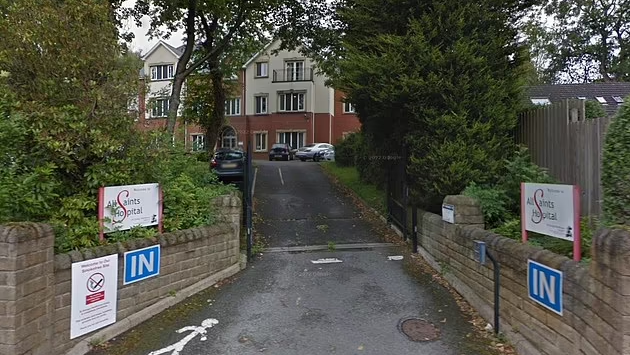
(419,330)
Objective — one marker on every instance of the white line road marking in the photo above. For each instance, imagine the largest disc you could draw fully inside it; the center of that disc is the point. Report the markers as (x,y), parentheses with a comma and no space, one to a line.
(281,179)
(326,261)
(395,257)
(179,346)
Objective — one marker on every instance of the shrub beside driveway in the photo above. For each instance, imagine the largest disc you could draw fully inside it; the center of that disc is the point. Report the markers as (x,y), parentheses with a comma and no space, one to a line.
(349,177)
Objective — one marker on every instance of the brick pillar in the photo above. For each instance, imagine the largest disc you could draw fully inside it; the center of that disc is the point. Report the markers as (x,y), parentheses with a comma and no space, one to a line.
(26,289)
(610,266)
(467,210)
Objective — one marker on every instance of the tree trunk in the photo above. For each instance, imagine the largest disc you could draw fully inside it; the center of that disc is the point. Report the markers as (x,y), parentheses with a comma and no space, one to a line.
(174,101)
(217,117)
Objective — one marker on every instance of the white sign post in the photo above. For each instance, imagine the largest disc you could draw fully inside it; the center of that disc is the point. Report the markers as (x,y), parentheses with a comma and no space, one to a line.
(552,210)
(448,213)
(94,294)
(125,207)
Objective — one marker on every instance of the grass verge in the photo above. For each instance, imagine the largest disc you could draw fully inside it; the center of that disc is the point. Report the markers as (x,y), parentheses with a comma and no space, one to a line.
(349,177)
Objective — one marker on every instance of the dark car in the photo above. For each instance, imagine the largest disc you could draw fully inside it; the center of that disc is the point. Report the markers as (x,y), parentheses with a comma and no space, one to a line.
(281,151)
(229,164)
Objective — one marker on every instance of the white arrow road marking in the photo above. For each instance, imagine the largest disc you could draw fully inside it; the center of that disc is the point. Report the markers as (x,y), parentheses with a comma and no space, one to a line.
(326,261)
(179,346)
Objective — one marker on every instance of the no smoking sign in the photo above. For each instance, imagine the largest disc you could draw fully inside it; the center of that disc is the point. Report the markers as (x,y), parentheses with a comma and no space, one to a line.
(95,282)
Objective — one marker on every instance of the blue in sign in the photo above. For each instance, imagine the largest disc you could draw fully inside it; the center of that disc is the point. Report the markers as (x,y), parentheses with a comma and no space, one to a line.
(141,264)
(544,286)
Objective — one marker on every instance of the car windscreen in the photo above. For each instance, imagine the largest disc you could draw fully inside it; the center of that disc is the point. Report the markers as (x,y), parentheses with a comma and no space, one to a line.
(228,155)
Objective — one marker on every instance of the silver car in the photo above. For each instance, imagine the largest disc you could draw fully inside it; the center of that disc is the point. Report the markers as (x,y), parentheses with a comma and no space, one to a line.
(306,152)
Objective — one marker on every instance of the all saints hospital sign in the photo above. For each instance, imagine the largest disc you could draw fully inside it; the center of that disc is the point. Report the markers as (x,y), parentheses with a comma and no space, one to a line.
(552,210)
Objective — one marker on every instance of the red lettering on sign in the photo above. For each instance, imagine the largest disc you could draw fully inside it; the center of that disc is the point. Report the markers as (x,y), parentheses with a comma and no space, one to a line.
(95,297)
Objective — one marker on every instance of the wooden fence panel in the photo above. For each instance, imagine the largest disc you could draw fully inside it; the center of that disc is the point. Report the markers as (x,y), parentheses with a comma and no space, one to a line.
(570,147)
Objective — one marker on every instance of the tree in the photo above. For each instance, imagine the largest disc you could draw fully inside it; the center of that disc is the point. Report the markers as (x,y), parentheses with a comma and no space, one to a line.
(593,109)
(615,169)
(216,29)
(590,40)
(65,92)
(442,78)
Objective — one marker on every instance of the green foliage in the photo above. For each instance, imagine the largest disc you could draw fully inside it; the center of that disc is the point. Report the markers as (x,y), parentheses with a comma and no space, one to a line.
(347,150)
(588,40)
(66,130)
(494,203)
(501,201)
(512,229)
(593,109)
(616,169)
(443,78)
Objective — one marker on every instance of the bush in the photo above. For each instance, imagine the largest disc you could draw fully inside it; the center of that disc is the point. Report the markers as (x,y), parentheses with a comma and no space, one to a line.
(616,169)
(512,229)
(593,109)
(501,201)
(346,150)
(495,205)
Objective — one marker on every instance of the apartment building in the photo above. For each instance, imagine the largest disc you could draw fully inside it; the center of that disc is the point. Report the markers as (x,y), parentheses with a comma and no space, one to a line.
(279,99)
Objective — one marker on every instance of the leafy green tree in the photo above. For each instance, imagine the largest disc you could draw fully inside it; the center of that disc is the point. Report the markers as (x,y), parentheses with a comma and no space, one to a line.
(616,169)
(221,30)
(442,78)
(593,109)
(590,40)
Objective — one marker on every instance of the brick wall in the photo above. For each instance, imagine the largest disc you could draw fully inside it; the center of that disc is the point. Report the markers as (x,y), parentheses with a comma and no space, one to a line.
(596,299)
(35,284)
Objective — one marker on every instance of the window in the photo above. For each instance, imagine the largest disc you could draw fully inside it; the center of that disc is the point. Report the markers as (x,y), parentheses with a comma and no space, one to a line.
(162,72)
(292,102)
(294,139)
(261,104)
(295,71)
(262,70)
(541,101)
(348,107)
(160,108)
(261,141)
(233,107)
(581,97)
(618,99)
(198,142)
(228,138)
(601,100)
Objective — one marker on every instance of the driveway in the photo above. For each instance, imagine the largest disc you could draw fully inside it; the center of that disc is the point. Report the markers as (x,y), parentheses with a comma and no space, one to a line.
(283,303)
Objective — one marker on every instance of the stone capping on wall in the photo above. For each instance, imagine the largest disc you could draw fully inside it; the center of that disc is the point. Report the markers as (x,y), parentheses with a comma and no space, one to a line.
(596,297)
(64,261)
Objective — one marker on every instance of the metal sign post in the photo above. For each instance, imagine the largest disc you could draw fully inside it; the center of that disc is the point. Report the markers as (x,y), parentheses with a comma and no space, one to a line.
(481,252)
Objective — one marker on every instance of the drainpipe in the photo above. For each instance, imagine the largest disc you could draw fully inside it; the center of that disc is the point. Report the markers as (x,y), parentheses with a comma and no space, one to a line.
(329,128)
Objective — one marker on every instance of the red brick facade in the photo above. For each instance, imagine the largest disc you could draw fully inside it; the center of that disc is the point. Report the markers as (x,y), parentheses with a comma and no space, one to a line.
(312,127)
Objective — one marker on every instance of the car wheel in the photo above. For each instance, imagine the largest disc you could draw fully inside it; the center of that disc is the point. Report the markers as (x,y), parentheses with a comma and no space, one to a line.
(270,159)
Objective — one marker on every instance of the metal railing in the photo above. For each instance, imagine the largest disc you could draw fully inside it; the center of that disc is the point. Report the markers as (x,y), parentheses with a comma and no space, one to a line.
(290,75)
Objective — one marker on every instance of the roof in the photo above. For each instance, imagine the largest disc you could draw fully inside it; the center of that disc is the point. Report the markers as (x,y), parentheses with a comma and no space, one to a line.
(605,93)
(177,51)
(259,54)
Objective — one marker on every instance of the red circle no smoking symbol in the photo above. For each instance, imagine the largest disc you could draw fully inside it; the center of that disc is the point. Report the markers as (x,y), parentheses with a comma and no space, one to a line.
(95,282)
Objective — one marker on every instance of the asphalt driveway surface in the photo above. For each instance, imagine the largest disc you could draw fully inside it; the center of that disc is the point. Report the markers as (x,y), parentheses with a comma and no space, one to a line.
(283,303)
(298,206)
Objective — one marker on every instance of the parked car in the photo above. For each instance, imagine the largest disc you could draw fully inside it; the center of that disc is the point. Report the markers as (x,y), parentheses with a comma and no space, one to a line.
(324,155)
(229,164)
(281,151)
(306,152)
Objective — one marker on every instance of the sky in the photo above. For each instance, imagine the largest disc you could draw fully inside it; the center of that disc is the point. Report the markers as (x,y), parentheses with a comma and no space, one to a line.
(141,41)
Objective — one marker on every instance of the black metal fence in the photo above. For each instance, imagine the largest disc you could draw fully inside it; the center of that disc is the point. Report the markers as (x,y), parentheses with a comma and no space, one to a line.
(248,199)
(399,209)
